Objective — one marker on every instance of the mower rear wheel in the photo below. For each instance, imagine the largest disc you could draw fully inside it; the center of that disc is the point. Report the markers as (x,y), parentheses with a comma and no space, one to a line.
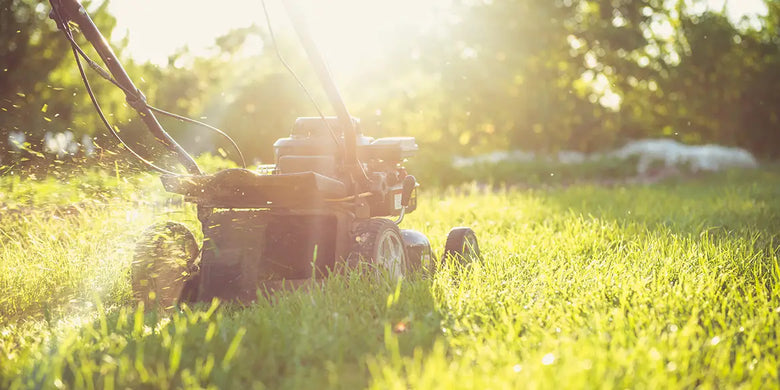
(378,242)
(461,245)
(164,265)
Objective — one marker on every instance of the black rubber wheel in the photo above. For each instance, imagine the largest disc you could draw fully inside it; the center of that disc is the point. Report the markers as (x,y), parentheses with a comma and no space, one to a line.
(461,246)
(378,242)
(163,269)
(419,256)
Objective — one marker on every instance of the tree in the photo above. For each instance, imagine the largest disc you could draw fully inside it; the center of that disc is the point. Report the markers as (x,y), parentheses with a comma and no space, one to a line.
(31,49)
(40,90)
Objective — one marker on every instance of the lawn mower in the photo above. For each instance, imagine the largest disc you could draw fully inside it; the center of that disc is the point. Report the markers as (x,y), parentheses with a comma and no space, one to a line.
(324,205)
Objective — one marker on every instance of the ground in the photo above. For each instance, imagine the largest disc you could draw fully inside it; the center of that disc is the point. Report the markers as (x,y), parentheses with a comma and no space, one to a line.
(672,284)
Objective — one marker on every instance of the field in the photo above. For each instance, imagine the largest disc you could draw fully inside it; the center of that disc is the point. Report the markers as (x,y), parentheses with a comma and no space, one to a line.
(667,285)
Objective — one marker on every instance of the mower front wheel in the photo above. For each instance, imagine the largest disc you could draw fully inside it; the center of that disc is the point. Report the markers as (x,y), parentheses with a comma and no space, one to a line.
(379,243)
(163,268)
(461,246)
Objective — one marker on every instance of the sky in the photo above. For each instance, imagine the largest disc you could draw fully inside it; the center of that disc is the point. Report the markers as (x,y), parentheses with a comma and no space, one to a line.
(345,29)
(737,8)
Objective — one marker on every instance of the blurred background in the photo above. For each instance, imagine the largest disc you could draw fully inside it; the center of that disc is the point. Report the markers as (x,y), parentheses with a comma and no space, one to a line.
(464,77)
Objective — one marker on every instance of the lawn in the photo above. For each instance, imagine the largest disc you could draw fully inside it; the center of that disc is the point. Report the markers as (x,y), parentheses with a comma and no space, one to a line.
(622,286)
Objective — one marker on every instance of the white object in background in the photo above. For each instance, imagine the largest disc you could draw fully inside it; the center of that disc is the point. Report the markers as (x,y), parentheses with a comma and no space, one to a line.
(60,143)
(669,153)
(494,158)
(16,139)
(88,145)
(674,154)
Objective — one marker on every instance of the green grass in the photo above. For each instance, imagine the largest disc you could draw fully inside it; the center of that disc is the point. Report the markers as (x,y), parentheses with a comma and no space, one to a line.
(670,285)
(438,169)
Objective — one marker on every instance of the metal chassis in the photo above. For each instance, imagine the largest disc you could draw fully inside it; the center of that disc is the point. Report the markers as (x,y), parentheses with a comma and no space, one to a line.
(246,268)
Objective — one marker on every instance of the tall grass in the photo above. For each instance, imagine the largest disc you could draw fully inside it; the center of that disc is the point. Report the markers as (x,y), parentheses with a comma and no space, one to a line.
(671,285)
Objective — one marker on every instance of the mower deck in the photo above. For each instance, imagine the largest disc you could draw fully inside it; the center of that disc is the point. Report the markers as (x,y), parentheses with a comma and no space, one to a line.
(242,188)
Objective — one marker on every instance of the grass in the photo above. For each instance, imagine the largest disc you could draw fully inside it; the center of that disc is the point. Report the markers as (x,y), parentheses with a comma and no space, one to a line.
(670,285)
(439,169)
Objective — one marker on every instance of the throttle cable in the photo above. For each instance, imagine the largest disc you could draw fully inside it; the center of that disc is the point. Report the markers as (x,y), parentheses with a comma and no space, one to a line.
(65,27)
(135,99)
(363,172)
(297,79)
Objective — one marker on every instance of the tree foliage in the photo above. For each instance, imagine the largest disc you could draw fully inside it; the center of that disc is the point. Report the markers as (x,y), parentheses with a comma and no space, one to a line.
(40,89)
(529,74)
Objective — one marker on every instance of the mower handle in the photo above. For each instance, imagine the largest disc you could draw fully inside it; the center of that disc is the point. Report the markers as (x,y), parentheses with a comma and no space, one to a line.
(73,11)
(332,92)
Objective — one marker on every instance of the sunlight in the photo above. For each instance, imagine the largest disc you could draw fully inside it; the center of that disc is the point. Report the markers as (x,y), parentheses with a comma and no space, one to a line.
(349,32)
(738,9)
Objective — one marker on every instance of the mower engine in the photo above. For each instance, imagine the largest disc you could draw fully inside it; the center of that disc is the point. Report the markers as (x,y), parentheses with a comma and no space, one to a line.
(302,220)
(310,148)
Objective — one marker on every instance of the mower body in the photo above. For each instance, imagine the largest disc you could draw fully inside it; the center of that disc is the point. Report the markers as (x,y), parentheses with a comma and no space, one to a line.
(323,206)
(296,221)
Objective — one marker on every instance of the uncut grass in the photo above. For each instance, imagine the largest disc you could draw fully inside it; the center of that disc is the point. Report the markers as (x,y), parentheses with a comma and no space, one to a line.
(670,285)
(66,244)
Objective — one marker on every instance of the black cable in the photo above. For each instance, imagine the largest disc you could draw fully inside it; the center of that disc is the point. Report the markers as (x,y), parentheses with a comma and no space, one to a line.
(359,165)
(103,117)
(63,25)
(212,128)
(135,95)
(295,76)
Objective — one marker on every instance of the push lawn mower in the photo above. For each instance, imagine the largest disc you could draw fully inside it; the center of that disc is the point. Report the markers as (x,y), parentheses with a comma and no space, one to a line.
(322,207)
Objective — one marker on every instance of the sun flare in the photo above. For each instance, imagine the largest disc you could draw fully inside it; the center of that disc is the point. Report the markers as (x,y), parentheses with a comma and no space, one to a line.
(348,31)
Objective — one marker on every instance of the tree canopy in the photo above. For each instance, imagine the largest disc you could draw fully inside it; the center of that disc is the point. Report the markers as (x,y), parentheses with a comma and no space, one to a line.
(528,74)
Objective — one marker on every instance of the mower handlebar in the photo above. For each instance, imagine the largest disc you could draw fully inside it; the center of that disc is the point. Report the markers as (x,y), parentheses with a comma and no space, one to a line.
(73,11)
(332,92)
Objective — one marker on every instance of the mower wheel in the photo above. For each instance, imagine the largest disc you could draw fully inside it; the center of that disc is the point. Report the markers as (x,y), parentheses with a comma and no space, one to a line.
(461,245)
(163,269)
(378,242)
(418,251)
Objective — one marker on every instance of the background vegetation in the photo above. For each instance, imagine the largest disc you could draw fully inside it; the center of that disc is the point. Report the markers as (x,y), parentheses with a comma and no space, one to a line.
(535,75)
(665,286)
(596,284)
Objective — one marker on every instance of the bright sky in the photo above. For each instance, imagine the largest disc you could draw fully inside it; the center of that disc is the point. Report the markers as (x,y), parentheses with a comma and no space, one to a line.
(344,29)
(738,8)
(348,31)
